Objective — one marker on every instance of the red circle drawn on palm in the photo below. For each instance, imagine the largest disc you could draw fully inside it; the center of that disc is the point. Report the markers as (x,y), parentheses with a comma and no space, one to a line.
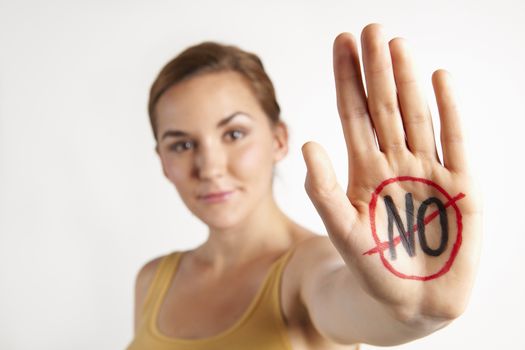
(380,246)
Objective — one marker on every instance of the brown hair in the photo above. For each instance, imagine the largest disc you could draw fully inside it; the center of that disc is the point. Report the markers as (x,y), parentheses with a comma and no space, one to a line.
(209,57)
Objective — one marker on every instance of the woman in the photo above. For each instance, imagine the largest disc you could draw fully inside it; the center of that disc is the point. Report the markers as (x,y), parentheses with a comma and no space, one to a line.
(262,281)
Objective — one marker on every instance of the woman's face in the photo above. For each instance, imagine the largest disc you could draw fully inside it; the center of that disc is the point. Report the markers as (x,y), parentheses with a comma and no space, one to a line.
(218,147)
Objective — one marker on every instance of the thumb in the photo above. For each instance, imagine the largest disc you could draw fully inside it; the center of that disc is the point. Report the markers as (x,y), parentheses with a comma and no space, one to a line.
(329,199)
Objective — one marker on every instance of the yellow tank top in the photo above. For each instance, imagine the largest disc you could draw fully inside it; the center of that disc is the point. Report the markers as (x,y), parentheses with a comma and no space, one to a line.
(260,327)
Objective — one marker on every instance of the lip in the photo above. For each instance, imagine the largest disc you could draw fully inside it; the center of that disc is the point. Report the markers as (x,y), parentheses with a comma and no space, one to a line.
(216,197)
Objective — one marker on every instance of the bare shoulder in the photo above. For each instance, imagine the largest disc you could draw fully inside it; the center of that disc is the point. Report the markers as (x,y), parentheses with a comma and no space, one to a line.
(145,274)
(143,281)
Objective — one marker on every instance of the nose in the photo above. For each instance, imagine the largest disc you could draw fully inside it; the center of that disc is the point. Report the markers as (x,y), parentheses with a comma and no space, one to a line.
(210,162)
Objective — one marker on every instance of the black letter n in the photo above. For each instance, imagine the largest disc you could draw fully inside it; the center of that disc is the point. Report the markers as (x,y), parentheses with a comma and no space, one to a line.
(406,235)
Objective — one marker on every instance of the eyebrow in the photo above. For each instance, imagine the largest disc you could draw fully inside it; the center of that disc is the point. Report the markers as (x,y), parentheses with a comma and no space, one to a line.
(222,122)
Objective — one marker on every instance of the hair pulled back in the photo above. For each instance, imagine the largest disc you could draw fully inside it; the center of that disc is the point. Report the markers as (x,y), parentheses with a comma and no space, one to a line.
(211,57)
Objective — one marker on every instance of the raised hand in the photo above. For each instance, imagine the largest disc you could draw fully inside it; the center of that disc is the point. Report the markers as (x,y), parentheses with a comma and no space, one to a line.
(408,225)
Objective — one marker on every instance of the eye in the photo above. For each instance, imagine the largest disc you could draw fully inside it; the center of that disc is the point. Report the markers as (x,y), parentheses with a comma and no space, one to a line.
(235,134)
(181,146)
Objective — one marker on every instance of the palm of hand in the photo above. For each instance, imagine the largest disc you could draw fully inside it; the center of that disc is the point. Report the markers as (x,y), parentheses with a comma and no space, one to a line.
(405,218)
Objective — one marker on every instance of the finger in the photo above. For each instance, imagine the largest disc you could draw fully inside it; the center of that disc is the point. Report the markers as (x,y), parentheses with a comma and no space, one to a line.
(452,143)
(416,117)
(381,88)
(351,98)
(328,197)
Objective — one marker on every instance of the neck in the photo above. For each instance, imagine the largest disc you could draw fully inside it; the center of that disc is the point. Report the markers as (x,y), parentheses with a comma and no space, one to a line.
(266,230)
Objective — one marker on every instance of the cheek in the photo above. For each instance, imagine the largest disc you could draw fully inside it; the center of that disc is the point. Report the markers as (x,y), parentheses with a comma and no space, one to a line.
(177,172)
(181,180)
(253,160)
(178,175)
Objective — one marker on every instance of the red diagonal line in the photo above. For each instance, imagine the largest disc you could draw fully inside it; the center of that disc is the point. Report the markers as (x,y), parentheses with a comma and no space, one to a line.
(385,245)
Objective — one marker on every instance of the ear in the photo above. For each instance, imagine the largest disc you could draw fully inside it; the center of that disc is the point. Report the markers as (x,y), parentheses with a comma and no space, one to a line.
(280,142)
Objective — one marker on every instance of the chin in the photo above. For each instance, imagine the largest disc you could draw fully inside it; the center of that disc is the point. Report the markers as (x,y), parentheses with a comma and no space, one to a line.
(220,222)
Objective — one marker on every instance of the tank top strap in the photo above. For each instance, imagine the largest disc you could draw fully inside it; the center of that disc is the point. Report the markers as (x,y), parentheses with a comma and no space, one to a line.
(276,277)
(161,280)
(283,259)
(267,313)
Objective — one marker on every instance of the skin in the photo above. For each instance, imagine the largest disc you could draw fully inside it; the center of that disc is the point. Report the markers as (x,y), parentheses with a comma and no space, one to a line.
(331,291)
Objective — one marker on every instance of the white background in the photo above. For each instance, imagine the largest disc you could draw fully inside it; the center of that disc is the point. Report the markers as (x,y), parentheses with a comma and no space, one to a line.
(83,202)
